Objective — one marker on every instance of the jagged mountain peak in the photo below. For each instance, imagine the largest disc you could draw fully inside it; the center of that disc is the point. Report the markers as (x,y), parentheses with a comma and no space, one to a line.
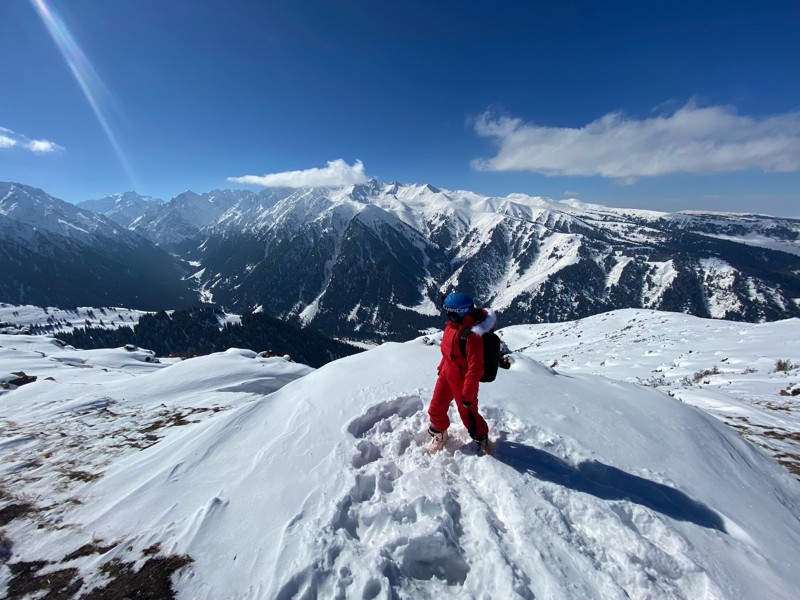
(11,193)
(372,258)
(124,208)
(131,196)
(36,208)
(186,195)
(534,258)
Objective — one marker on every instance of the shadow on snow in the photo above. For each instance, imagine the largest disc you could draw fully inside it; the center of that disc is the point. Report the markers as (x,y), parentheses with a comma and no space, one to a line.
(608,483)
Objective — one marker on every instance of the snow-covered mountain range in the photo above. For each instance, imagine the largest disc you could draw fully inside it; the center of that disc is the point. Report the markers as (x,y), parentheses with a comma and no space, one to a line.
(235,476)
(374,257)
(370,260)
(123,208)
(53,253)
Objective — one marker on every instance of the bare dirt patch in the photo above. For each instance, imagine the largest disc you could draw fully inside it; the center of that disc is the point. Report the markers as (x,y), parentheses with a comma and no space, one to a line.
(782,444)
(153,581)
(15,511)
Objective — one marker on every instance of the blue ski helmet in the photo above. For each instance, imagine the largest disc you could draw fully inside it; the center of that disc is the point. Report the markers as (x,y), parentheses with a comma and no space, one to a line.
(458,303)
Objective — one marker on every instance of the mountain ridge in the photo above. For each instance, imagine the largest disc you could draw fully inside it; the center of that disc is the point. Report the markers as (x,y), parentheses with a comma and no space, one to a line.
(57,254)
(370,260)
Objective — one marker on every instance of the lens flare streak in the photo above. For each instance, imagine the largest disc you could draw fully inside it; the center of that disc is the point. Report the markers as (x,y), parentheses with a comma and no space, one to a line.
(85,74)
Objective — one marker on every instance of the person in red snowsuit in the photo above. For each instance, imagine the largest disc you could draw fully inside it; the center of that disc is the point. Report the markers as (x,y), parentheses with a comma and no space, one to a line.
(459,372)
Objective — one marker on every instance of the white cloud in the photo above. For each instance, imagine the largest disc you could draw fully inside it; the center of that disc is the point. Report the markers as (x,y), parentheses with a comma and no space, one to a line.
(336,174)
(690,140)
(10,139)
(7,142)
(43,146)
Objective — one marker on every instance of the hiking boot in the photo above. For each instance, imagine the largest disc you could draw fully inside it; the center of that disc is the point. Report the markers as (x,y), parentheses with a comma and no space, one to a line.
(438,438)
(484,444)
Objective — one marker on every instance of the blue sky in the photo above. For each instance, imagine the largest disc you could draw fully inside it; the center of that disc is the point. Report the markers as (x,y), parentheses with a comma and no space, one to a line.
(668,106)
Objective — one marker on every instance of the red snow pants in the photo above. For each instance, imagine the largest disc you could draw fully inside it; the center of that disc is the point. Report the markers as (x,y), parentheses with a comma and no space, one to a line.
(448,387)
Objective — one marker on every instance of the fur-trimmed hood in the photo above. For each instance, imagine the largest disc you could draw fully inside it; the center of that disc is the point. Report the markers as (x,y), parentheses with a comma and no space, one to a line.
(487,324)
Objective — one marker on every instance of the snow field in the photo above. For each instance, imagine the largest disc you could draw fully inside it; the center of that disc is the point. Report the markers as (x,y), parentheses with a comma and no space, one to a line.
(726,368)
(51,319)
(317,484)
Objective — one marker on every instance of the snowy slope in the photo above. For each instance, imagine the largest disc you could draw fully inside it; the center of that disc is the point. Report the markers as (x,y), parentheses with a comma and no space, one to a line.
(37,319)
(727,369)
(600,488)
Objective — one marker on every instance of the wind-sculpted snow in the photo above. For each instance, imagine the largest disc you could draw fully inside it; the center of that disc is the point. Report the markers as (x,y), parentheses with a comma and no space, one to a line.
(595,478)
(323,488)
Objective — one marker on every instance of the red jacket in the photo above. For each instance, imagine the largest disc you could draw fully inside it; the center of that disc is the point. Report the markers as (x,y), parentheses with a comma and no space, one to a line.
(463,373)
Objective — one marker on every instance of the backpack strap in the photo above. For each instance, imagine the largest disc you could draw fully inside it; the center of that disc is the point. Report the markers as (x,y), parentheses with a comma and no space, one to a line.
(462,339)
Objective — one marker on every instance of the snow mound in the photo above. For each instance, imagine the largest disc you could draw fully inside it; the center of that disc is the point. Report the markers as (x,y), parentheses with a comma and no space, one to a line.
(599,488)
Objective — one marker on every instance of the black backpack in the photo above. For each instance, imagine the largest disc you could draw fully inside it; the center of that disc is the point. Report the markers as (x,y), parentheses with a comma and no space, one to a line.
(492,357)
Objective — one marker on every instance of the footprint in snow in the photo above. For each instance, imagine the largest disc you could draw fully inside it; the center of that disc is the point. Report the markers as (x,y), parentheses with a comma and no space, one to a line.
(396,525)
